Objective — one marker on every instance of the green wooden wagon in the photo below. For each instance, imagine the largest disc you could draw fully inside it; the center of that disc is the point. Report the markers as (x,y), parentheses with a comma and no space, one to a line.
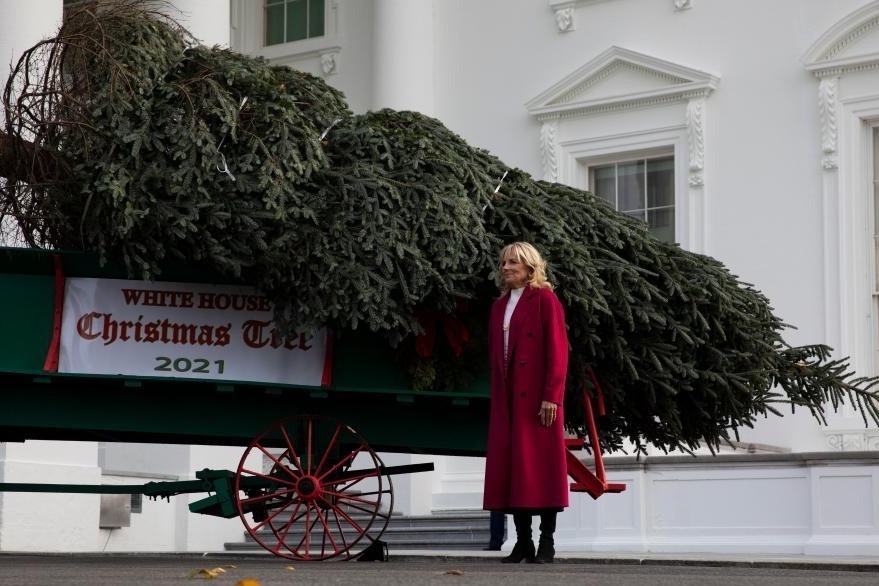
(310,477)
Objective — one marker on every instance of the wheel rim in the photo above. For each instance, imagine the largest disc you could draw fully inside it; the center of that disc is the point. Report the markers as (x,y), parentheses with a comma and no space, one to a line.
(311,488)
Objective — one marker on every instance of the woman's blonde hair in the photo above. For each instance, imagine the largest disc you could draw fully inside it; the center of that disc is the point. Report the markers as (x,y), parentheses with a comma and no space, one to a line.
(527,255)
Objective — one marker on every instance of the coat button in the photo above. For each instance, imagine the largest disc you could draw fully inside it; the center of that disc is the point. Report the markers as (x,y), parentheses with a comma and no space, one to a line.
(523,394)
(529,334)
(522,363)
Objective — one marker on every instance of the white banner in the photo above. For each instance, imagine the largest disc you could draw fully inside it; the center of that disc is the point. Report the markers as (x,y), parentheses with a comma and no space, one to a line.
(188,330)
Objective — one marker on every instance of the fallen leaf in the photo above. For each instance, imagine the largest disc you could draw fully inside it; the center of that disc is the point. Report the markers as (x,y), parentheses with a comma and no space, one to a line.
(248,582)
(207,574)
(453,573)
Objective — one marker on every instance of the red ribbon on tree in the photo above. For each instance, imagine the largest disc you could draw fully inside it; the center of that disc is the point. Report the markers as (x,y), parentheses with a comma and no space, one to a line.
(456,333)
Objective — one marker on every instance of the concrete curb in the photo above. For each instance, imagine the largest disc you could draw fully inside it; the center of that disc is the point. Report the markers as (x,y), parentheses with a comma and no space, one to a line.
(846,564)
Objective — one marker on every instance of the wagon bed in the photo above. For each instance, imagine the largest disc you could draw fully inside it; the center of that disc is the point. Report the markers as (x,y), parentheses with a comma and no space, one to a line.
(367,390)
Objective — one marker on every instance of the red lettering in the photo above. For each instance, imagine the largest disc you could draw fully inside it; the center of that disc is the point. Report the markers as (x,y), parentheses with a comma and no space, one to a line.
(258,334)
(157,298)
(257,303)
(252,333)
(110,330)
(85,326)
(185,299)
(223,337)
(304,339)
(205,301)
(153,298)
(131,296)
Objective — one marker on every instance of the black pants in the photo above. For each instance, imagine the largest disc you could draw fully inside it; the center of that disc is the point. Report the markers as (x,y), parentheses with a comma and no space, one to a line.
(497,528)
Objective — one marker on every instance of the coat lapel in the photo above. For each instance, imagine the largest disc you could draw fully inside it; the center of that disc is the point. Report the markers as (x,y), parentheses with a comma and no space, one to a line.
(497,333)
(521,317)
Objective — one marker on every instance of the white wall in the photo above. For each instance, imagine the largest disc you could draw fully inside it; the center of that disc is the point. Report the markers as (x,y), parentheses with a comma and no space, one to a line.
(49,521)
(207,20)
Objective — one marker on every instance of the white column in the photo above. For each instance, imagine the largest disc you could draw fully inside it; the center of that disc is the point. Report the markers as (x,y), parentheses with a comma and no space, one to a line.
(404,64)
(207,20)
(23,25)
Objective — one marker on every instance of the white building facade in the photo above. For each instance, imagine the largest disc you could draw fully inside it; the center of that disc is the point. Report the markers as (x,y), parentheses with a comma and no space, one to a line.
(760,121)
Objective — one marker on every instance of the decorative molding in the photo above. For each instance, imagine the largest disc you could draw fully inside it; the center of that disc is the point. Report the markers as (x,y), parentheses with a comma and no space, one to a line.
(696,140)
(854,441)
(549,150)
(565,10)
(826,57)
(664,82)
(564,18)
(616,67)
(623,80)
(827,105)
(329,62)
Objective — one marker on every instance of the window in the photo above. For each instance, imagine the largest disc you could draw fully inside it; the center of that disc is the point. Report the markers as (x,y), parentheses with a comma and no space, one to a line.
(641,188)
(293,20)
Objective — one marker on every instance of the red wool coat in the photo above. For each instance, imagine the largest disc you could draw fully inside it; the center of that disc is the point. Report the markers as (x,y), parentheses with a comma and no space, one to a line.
(525,461)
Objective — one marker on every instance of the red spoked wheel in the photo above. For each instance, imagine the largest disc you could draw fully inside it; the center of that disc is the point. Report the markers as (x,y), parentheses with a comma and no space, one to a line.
(311,488)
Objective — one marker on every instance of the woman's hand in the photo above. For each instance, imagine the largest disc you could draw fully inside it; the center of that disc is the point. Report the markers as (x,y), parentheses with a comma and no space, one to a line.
(548,412)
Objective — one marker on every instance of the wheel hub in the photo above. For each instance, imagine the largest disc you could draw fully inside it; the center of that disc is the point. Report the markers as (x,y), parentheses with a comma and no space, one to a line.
(309,488)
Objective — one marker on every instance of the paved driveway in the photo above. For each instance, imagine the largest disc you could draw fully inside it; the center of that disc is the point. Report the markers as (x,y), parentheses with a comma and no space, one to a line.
(142,570)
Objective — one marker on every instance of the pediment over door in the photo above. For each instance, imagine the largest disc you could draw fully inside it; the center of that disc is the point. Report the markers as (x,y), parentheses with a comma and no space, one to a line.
(852,44)
(619,79)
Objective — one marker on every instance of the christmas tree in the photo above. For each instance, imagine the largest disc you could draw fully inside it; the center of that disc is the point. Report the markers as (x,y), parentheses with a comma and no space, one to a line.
(125,137)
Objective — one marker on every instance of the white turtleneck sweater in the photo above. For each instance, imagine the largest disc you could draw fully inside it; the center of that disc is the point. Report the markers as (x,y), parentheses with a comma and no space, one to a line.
(515,294)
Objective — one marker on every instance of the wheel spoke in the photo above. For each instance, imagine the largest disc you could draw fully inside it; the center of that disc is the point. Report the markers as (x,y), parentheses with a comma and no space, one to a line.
(278,463)
(267,497)
(291,450)
(342,537)
(272,479)
(309,426)
(309,500)
(270,518)
(330,445)
(284,527)
(343,462)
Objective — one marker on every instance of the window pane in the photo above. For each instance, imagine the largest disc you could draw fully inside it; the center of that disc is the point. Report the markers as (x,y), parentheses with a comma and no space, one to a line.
(660,182)
(631,186)
(274,24)
(605,180)
(297,20)
(662,224)
(638,215)
(315,18)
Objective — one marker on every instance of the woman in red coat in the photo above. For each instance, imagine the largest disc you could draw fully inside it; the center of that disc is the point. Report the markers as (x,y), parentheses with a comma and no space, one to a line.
(525,470)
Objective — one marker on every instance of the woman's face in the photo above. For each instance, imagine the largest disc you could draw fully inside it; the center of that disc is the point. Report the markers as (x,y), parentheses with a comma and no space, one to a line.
(513,273)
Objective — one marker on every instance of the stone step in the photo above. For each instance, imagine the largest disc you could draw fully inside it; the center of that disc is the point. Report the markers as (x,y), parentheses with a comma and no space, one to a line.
(447,530)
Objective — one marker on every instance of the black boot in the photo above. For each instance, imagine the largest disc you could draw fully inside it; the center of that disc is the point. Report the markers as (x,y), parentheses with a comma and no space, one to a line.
(546,549)
(524,548)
